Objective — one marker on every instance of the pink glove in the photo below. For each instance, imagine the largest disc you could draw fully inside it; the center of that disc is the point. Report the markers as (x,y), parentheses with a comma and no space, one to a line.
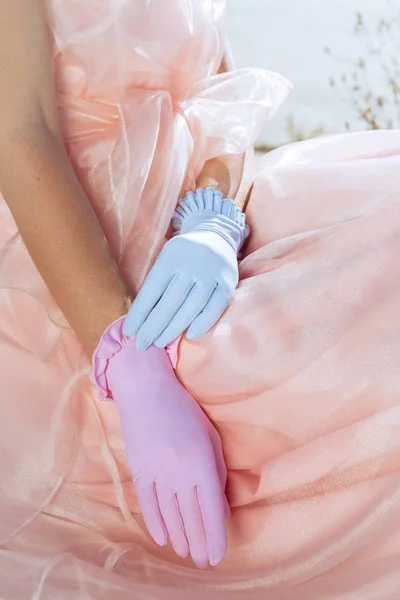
(173,450)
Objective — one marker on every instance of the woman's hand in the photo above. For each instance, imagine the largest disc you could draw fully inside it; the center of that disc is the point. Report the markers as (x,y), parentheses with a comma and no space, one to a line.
(193,279)
(173,450)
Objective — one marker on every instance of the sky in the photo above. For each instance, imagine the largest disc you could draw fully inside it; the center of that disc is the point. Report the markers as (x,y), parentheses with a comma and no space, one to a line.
(289,37)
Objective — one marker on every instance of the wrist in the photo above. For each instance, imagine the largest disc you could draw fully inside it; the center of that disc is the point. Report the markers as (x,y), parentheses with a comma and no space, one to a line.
(218,226)
(224,174)
(116,358)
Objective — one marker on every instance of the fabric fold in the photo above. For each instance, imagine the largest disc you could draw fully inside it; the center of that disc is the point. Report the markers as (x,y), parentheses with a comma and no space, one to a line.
(226,113)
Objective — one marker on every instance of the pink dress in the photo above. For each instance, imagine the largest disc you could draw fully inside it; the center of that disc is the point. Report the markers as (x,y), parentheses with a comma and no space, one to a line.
(301,376)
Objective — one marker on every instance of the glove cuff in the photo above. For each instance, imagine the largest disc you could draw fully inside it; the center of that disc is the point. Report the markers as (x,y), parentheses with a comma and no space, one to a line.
(111,343)
(206,210)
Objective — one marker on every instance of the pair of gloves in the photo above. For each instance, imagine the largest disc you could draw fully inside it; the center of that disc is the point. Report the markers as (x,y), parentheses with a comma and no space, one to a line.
(173,450)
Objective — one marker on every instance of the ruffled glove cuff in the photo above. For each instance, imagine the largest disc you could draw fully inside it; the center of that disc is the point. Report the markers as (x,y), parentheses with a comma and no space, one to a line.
(111,343)
(206,210)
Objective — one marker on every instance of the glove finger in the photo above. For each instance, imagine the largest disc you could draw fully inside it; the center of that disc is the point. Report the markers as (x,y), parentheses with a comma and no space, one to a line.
(212,506)
(211,314)
(219,457)
(190,511)
(161,316)
(221,466)
(148,502)
(173,521)
(150,293)
(194,305)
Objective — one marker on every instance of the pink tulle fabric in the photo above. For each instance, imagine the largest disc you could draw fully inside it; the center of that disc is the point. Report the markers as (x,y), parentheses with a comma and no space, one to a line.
(301,375)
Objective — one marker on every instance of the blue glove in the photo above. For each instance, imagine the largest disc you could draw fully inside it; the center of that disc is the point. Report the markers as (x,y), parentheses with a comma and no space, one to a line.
(192,282)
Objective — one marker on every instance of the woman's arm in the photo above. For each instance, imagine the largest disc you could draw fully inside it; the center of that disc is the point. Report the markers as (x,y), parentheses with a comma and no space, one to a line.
(54,217)
(226,174)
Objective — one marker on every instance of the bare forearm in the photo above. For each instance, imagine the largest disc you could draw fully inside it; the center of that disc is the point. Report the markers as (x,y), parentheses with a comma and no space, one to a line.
(61,233)
(225,174)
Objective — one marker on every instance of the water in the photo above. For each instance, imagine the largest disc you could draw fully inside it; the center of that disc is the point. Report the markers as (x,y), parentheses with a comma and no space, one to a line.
(289,36)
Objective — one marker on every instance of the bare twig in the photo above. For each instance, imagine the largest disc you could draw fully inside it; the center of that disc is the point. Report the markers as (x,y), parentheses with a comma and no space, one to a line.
(377,110)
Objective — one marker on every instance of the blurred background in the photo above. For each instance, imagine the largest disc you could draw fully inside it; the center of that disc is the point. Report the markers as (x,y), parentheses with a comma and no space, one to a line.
(343,57)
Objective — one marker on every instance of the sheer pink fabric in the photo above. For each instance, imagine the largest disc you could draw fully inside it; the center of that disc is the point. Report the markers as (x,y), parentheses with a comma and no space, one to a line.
(301,376)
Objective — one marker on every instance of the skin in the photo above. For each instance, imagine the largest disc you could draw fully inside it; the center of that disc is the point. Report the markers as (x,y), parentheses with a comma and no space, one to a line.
(46,200)
(227,173)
